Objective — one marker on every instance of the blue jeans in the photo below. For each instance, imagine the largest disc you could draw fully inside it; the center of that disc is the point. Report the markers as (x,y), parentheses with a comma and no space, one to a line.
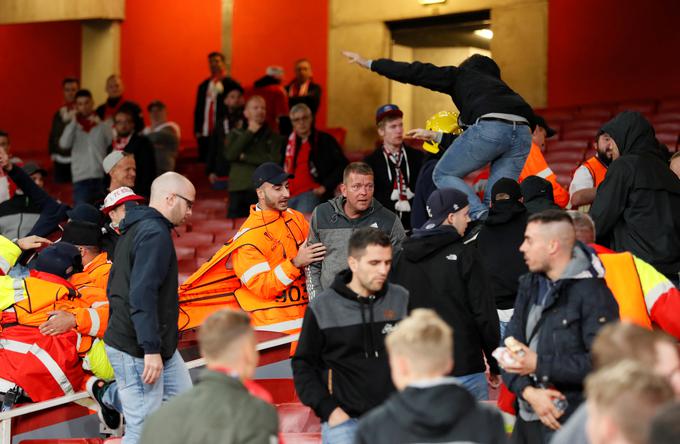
(305,202)
(87,191)
(504,145)
(136,400)
(340,434)
(476,384)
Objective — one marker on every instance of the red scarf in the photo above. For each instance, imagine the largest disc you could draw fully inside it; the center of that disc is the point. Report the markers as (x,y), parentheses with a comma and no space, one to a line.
(119,143)
(289,162)
(87,123)
(110,111)
(299,91)
(400,190)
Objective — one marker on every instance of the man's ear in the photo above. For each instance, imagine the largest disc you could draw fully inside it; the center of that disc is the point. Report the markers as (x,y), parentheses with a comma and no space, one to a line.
(343,189)
(353,263)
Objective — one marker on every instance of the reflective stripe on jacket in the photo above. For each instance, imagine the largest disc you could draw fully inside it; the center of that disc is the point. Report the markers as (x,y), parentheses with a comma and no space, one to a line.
(536,165)
(254,272)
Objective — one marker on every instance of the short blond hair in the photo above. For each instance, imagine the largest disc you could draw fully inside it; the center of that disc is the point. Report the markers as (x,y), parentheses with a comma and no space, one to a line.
(424,339)
(630,394)
(221,330)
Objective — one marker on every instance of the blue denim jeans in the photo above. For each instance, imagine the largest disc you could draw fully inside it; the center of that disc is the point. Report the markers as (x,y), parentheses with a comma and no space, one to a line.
(476,384)
(504,145)
(305,202)
(87,191)
(136,400)
(340,434)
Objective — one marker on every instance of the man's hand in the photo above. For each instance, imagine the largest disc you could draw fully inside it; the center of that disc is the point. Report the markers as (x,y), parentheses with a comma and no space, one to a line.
(494,380)
(353,57)
(309,253)
(319,191)
(337,417)
(422,134)
(525,361)
(541,401)
(59,322)
(153,367)
(31,242)
(254,126)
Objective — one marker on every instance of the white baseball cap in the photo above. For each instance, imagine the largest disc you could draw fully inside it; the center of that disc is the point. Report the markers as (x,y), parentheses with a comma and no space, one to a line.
(118,197)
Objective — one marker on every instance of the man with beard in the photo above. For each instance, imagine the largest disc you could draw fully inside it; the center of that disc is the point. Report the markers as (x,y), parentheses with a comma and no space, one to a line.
(637,207)
(591,173)
(341,369)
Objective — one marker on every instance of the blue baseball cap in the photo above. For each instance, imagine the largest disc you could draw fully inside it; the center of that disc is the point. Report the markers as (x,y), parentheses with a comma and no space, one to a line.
(441,203)
(270,172)
(387,110)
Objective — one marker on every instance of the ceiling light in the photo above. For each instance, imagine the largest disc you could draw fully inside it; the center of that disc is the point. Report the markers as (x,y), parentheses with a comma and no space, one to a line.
(484,33)
(431,2)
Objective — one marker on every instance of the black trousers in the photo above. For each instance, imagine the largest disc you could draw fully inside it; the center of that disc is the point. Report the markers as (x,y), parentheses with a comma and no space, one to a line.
(240,202)
(62,172)
(530,432)
(203,148)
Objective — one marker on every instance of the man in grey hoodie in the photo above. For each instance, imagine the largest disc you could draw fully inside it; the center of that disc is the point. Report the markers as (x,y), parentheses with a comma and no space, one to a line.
(333,223)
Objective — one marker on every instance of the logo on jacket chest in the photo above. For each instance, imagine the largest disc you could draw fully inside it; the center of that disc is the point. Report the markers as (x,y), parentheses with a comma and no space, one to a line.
(452,257)
(387,329)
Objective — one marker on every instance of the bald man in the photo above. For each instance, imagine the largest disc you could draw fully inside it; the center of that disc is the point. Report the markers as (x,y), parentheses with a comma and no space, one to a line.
(247,148)
(561,305)
(141,338)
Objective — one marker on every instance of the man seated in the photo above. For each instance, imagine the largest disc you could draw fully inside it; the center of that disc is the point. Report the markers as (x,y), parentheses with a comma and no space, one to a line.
(430,406)
(87,237)
(315,160)
(269,254)
(220,405)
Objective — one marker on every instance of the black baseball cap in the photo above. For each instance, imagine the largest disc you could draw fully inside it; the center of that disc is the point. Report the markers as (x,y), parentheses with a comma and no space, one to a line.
(443,202)
(270,172)
(31,168)
(540,121)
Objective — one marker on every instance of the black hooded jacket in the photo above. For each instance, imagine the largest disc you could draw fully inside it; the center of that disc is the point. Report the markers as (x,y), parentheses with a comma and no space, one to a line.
(442,412)
(475,87)
(498,244)
(342,347)
(637,206)
(443,274)
(142,290)
(538,195)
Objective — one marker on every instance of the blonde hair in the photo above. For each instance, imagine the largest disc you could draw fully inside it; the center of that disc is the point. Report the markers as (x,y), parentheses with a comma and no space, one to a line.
(630,394)
(221,330)
(424,339)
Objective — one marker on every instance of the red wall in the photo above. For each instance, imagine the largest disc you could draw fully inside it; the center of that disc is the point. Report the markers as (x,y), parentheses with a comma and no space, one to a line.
(34,59)
(278,32)
(164,53)
(612,50)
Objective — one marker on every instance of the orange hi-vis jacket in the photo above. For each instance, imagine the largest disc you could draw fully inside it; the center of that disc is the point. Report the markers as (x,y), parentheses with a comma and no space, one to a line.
(536,165)
(94,274)
(253,271)
(645,296)
(596,169)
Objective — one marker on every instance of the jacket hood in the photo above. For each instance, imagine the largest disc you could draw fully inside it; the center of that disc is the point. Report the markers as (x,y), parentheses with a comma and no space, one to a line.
(413,407)
(135,214)
(504,211)
(340,286)
(584,264)
(633,134)
(338,205)
(423,243)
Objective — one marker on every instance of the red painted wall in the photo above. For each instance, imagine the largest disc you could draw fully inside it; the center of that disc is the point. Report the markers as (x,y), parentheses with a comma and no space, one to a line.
(278,32)
(612,50)
(35,58)
(164,53)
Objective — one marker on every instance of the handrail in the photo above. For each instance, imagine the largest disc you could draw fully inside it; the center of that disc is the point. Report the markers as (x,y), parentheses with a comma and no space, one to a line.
(43,405)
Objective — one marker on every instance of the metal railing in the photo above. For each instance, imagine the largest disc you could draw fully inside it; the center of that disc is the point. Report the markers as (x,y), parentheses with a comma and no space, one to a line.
(6,417)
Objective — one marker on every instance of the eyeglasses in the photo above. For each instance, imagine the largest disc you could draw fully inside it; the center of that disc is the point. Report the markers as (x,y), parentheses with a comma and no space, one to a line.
(190,203)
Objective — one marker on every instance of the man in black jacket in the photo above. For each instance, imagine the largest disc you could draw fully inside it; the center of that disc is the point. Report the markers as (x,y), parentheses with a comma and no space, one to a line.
(340,367)
(141,338)
(637,206)
(498,119)
(395,165)
(538,195)
(561,305)
(429,407)
(498,244)
(315,160)
(443,274)
(140,147)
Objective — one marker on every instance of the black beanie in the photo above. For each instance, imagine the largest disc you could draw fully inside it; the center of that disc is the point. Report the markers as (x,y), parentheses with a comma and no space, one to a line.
(79,232)
(507,186)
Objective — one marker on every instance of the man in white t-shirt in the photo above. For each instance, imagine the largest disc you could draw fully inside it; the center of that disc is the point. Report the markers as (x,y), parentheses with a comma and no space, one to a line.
(590,174)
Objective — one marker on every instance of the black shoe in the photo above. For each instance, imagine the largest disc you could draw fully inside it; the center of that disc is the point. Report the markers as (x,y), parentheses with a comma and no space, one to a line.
(96,388)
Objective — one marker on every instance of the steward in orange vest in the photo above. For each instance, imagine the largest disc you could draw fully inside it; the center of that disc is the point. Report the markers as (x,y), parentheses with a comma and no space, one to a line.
(260,270)
(536,165)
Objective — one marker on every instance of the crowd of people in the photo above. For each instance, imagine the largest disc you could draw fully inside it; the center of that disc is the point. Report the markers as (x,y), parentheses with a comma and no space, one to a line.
(411,292)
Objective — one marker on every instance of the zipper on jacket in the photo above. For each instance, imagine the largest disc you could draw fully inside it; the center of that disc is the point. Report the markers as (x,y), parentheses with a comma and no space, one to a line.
(363,328)
(371,300)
